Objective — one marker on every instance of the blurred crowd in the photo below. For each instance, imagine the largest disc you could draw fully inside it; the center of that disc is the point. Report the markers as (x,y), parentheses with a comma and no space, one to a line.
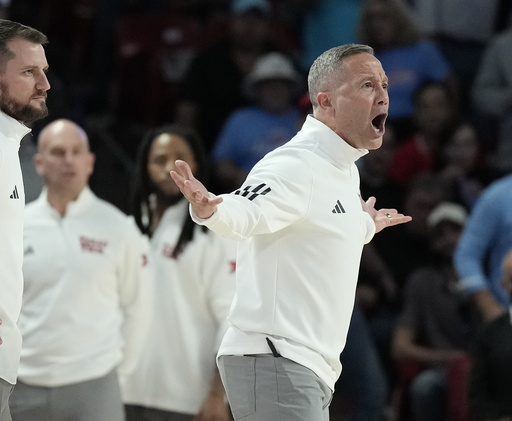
(234,72)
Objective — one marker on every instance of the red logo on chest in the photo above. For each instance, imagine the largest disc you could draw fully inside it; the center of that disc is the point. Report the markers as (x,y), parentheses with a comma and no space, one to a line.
(92,245)
(167,251)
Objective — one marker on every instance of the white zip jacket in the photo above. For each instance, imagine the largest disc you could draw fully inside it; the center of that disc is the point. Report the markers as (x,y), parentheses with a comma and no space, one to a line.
(86,299)
(12,202)
(191,295)
(302,228)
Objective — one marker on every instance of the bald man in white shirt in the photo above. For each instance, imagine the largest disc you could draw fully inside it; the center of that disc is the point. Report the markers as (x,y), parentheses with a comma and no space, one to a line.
(86,296)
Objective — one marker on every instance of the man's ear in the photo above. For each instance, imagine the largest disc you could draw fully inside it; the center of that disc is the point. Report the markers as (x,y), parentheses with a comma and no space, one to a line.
(38,163)
(323,100)
(92,161)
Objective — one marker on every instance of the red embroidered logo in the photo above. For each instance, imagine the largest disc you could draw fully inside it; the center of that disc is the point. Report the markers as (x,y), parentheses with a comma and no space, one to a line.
(233,266)
(167,250)
(92,245)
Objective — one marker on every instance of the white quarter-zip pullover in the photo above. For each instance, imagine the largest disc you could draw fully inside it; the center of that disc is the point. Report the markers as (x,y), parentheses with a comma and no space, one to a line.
(86,300)
(302,228)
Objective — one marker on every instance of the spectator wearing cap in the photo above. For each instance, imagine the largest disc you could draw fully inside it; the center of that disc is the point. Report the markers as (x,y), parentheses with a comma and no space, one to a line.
(490,384)
(251,132)
(436,325)
(213,86)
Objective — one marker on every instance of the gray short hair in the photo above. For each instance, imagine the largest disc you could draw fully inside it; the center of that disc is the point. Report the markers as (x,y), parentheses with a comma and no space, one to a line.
(9,31)
(328,64)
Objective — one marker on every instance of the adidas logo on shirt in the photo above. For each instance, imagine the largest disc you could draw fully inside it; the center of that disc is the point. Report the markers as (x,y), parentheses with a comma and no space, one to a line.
(338,208)
(15,194)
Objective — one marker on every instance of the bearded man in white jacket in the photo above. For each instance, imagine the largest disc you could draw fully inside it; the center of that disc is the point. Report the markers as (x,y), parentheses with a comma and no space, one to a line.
(301,226)
(23,87)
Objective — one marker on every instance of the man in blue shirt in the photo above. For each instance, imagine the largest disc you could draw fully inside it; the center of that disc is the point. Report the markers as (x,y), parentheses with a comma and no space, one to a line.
(486,240)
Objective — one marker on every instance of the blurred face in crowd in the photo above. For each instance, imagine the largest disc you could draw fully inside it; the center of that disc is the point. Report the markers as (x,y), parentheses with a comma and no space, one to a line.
(463,148)
(419,203)
(64,159)
(164,151)
(250,30)
(23,82)
(274,95)
(380,23)
(433,110)
(356,107)
(445,237)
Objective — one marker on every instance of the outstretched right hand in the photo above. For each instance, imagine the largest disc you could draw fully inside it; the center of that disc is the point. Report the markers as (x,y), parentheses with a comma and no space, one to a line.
(203,204)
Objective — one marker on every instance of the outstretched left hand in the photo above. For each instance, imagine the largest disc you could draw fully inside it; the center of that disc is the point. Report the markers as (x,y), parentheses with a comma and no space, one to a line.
(383,217)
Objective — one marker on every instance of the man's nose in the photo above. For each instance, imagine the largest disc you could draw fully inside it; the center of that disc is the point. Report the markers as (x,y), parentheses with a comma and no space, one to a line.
(69,157)
(383,96)
(42,83)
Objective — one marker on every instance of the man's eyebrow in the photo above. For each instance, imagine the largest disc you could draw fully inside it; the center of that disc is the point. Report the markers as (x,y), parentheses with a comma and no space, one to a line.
(366,76)
(34,66)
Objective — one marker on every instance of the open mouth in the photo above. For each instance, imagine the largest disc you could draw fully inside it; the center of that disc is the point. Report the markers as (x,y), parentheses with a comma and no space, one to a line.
(378,122)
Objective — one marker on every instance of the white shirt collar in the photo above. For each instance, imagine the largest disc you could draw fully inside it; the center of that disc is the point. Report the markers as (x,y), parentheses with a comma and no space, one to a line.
(74,207)
(12,128)
(324,141)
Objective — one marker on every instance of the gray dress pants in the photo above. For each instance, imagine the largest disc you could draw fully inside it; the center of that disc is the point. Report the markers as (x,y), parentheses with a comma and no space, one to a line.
(264,387)
(5,391)
(93,400)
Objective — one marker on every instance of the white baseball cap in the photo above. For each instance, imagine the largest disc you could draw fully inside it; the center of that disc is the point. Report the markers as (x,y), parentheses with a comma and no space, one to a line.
(272,66)
(447,211)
